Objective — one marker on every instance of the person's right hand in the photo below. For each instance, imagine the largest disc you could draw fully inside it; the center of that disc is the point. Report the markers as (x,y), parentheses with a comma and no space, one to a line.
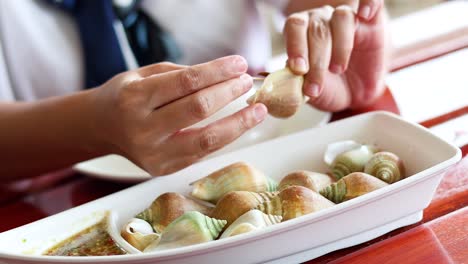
(143,114)
(342,50)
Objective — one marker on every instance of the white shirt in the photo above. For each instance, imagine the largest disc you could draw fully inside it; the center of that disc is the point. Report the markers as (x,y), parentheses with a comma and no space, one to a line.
(41,54)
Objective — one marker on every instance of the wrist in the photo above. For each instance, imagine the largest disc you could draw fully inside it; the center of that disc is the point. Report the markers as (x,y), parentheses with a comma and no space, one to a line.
(98,134)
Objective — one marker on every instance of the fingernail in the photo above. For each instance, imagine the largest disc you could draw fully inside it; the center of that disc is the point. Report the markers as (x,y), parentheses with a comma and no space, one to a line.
(312,90)
(365,12)
(299,65)
(246,79)
(260,112)
(239,64)
(336,68)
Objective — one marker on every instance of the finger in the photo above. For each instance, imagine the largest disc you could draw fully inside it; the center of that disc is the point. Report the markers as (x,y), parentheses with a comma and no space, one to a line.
(343,26)
(295,33)
(319,43)
(198,106)
(158,68)
(167,87)
(369,8)
(198,142)
(335,95)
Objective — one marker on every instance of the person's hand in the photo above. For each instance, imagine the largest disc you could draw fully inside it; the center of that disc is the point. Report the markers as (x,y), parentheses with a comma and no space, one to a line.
(343,55)
(143,113)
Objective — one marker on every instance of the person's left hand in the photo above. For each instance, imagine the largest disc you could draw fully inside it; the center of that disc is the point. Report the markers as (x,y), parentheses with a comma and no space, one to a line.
(342,55)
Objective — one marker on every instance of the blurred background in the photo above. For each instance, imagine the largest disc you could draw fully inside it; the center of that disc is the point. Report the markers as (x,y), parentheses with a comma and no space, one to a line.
(401,7)
(395,8)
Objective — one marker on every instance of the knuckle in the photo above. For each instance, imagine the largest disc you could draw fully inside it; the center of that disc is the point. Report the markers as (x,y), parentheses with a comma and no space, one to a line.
(237,88)
(295,20)
(167,64)
(327,9)
(128,94)
(343,14)
(208,141)
(243,124)
(201,106)
(315,76)
(318,29)
(189,81)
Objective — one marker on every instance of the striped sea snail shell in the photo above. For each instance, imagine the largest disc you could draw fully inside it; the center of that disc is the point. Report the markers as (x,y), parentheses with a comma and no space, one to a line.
(293,202)
(188,229)
(351,186)
(234,204)
(345,157)
(252,220)
(312,180)
(386,166)
(239,176)
(139,233)
(281,93)
(167,207)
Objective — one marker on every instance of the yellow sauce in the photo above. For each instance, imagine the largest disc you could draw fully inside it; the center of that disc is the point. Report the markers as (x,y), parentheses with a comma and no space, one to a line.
(93,241)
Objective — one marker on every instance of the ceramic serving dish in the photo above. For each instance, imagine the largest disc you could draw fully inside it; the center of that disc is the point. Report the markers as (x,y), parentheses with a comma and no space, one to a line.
(300,239)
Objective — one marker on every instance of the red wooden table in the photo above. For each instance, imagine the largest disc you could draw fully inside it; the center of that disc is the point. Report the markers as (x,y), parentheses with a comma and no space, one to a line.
(440,237)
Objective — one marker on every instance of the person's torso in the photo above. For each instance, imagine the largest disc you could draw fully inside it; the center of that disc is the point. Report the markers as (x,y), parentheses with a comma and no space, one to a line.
(42,55)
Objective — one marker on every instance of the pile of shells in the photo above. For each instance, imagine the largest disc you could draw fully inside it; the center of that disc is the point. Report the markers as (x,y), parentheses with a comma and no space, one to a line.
(240,198)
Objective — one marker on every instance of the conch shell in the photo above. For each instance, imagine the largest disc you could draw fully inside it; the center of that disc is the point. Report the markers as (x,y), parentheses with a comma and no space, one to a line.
(281,93)
(234,204)
(239,176)
(189,229)
(386,166)
(348,157)
(252,220)
(293,202)
(351,186)
(139,233)
(312,180)
(167,207)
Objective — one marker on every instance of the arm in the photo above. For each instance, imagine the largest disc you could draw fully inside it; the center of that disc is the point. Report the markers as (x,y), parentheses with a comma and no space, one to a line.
(50,134)
(141,114)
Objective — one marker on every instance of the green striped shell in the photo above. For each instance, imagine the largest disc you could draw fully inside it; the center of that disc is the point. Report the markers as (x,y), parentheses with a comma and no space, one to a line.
(272,206)
(386,166)
(146,215)
(294,201)
(234,204)
(335,192)
(351,186)
(351,161)
(167,207)
(239,176)
(189,229)
(252,220)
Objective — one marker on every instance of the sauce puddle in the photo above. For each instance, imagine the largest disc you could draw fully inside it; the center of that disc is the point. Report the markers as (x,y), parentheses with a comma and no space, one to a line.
(93,241)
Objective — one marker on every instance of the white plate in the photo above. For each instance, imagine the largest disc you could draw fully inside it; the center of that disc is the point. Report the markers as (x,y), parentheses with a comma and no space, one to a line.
(118,168)
(361,219)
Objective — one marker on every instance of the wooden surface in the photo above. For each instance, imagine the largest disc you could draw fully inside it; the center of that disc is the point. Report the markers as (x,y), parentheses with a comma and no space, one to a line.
(423,51)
